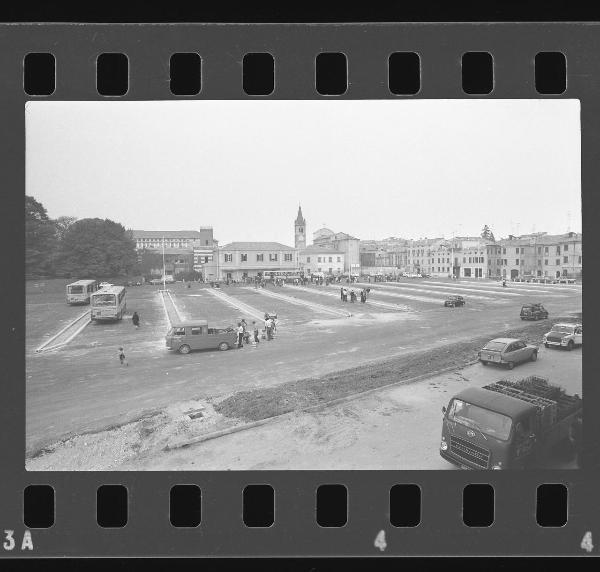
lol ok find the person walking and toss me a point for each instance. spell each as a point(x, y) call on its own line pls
point(342, 293)
point(255, 332)
point(135, 319)
point(240, 333)
point(122, 358)
point(352, 296)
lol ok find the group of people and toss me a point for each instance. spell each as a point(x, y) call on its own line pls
point(345, 293)
point(245, 335)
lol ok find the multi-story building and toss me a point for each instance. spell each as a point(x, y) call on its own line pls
point(315, 259)
point(537, 255)
point(340, 241)
point(241, 260)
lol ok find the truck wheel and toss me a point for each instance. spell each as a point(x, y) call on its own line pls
point(223, 346)
point(570, 345)
point(510, 364)
point(534, 356)
point(184, 349)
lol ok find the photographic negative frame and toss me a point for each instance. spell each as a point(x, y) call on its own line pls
point(222, 531)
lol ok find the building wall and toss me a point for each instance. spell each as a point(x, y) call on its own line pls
point(328, 262)
point(232, 264)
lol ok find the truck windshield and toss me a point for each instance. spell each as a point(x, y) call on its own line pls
point(494, 346)
point(488, 422)
point(563, 329)
point(76, 289)
point(103, 300)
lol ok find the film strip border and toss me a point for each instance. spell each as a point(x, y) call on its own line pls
point(369, 499)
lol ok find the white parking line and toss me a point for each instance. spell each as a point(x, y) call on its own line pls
point(375, 302)
point(395, 288)
point(235, 303)
point(298, 301)
point(523, 287)
point(509, 291)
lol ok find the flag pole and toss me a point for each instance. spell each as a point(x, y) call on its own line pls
point(163, 257)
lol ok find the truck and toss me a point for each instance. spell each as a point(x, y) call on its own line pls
point(509, 424)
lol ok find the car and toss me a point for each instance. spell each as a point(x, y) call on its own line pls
point(508, 352)
point(454, 301)
point(104, 285)
point(156, 281)
point(533, 312)
point(564, 335)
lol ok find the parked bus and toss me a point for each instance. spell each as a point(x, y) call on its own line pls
point(79, 292)
point(109, 303)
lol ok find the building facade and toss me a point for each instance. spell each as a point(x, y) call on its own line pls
point(340, 241)
point(248, 260)
point(317, 259)
point(300, 231)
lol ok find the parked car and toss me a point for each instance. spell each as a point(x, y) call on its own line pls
point(533, 312)
point(197, 335)
point(507, 351)
point(156, 281)
point(564, 335)
point(454, 301)
point(104, 285)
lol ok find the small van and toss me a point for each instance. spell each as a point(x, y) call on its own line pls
point(197, 335)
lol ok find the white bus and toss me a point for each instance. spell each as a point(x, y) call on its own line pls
point(79, 292)
point(109, 303)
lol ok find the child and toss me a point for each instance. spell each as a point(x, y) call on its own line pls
point(122, 357)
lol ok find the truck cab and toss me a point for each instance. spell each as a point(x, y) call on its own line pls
point(507, 425)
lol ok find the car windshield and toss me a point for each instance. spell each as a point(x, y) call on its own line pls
point(494, 346)
point(103, 300)
point(563, 329)
point(489, 422)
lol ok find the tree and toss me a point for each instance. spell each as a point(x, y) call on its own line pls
point(39, 239)
point(149, 261)
point(487, 234)
point(62, 224)
point(96, 248)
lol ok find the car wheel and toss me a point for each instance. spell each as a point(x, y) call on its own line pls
point(570, 345)
point(534, 356)
point(184, 349)
point(223, 346)
point(510, 364)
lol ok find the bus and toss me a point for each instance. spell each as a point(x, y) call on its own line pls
point(79, 292)
point(109, 303)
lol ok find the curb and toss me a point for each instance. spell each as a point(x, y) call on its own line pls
point(310, 408)
point(46, 345)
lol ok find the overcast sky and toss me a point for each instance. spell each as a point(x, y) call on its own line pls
point(373, 169)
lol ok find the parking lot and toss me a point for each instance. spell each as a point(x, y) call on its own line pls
point(82, 388)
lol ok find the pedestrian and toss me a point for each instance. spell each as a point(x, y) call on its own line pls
point(122, 358)
point(240, 333)
point(342, 293)
point(255, 332)
point(136, 319)
point(352, 296)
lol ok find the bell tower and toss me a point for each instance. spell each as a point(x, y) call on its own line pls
point(300, 231)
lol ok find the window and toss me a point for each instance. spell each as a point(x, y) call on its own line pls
point(539, 250)
point(504, 251)
point(558, 250)
point(196, 330)
point(545, 250)
point(273, 257)
point(300, 229)
point(339, 259)
point(558, 262)
point(330, 259)
point(228, 257)
point(244, 258)
point(319, 259)
point(517, 250)
point(517, 262)
point(260, 257)
point(308, 259)
point(464, 259)
point(565, 259)
point(179, 331)
point(287, 257)
point(565, 248)
point(539, 262)
point(546, 262)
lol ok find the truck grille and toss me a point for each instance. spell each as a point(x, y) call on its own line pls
point(469, 452)
point(554, 339)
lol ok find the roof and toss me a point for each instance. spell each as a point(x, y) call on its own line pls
point(504, 340)
point(112, 289)
point(166, 234)
point(183, 323)
point(511, 406)
point(81, 282)
point(314, 249)
point(299, 218)
point(256, 246)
